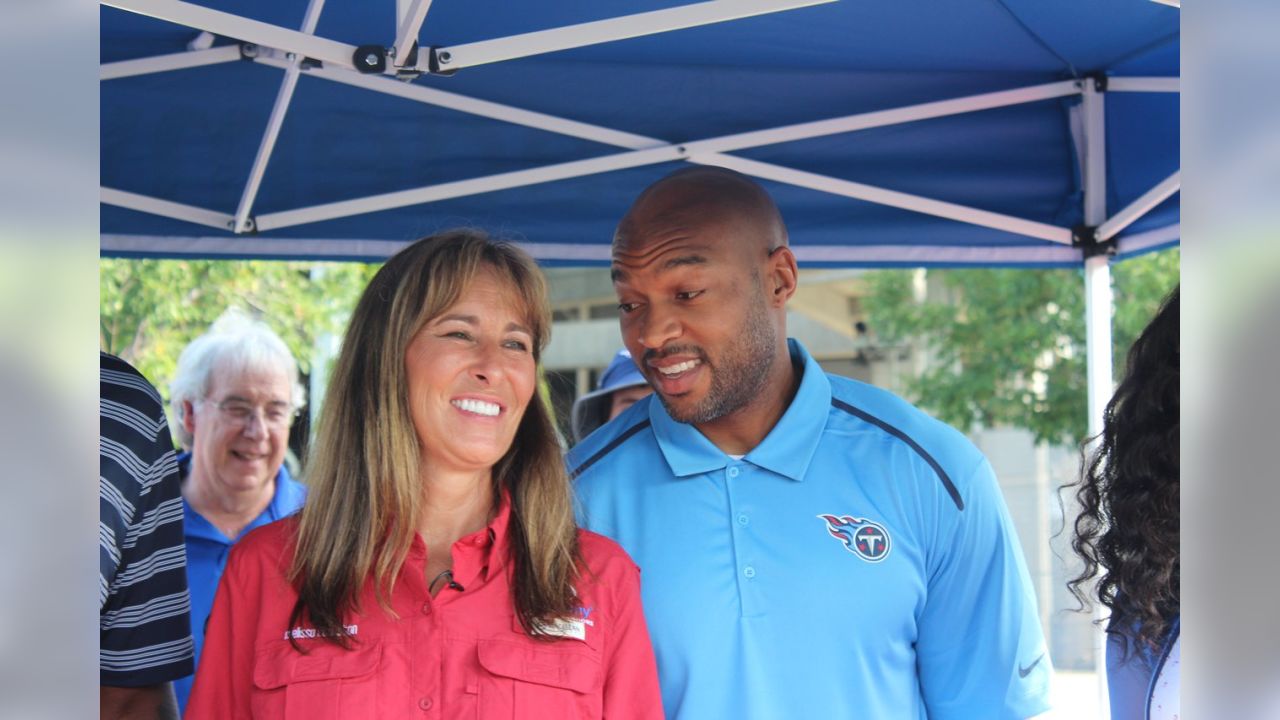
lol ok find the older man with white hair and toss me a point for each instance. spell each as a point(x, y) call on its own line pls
point(233, 398)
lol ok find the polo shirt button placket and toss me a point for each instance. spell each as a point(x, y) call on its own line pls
point(425, 703)
point(733, 472)
point(426, 608)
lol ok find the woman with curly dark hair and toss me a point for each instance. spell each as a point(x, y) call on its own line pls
point(1128, 526)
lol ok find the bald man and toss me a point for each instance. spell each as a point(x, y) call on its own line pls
point(811, 546)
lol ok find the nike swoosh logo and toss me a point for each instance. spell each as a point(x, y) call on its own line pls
point(1025, 671)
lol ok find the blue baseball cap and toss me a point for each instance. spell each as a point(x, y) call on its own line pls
point(592, 410)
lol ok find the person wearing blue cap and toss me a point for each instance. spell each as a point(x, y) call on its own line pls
point(620, 386)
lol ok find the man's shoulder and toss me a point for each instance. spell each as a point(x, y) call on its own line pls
point(610, 440)
point(290, 494)
point(121, 382)
point(858, 406)
point(869, 403)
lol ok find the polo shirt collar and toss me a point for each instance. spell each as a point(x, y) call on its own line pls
point(687, 450)
point(288, 495)
point(791, 444)
point(786, 450)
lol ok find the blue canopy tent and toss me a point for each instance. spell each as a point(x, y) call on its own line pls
point(911, 132)
point(976, 132)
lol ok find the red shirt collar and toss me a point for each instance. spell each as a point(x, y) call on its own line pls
point(485, 551)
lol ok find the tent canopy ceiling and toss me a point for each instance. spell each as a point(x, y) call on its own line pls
point(984, 164)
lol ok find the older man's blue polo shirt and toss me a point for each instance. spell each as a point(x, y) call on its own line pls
point(207, 550)
point(858, 563)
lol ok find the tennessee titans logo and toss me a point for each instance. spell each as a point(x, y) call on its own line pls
point(864, 538)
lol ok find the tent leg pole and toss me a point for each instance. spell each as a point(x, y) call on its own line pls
point(1097, 293)
point(1098, 302)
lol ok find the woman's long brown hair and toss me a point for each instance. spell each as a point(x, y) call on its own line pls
point(365, 493)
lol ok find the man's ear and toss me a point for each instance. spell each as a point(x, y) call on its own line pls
point(783, 276)
point(188, 417)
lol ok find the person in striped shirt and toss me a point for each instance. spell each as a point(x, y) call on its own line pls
point(144, 608)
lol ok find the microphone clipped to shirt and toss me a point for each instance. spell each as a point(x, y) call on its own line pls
point(453, 584)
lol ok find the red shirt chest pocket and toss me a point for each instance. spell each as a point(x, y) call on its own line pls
point(526, 678)
point(326, 682)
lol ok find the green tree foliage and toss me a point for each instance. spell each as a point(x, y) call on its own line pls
point(1006, 347)
point(151, 309)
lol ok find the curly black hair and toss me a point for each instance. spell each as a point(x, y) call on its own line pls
point(1128, 524)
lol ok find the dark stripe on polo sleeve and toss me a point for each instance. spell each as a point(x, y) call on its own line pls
point(942, 474)
point(626, 434)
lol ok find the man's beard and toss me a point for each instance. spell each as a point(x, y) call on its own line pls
point(739, 374)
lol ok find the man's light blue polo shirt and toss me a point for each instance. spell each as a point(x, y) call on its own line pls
point(858, 563)
point(207, 550)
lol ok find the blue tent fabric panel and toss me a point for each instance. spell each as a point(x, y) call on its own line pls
point(190, 136)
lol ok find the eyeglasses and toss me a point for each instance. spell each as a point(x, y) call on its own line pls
point(238, 413)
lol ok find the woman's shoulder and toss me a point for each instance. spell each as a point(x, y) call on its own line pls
point(598, 546)
point(274, 534)
point(602, 555)
point(267, 547)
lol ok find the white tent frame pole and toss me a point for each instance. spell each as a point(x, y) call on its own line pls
point(1139, 207)
point(638, 158)
point(1144, 84)
point(165, 208)
point(883, 118)
point(234, 246)
point(740, 141)
point(241, 28)
point(466, 55)
point(1143, 241)
point(1098, 301)
point(463, 188)
point(647, 151)
point(726, 143)
point(471, 106)
point(165, 63)
point(278, 112)
point(410, 25)
point(891, 198)
point(602, 31)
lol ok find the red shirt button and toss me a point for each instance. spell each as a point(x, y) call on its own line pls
point(425, 703)
point(426, 608)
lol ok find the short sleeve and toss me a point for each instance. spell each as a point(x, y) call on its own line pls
point(980, 649)
point(631, 673)
point(144, 619)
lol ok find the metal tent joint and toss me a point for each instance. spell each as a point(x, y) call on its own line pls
point(250, 226)
point(407, 71)
point(1085, 237)
point(370, 59)
point(1099, 80)
point(438, 60)
point(379, 60)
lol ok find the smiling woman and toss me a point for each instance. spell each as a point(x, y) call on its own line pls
point(437, 563)
point(471, 375)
